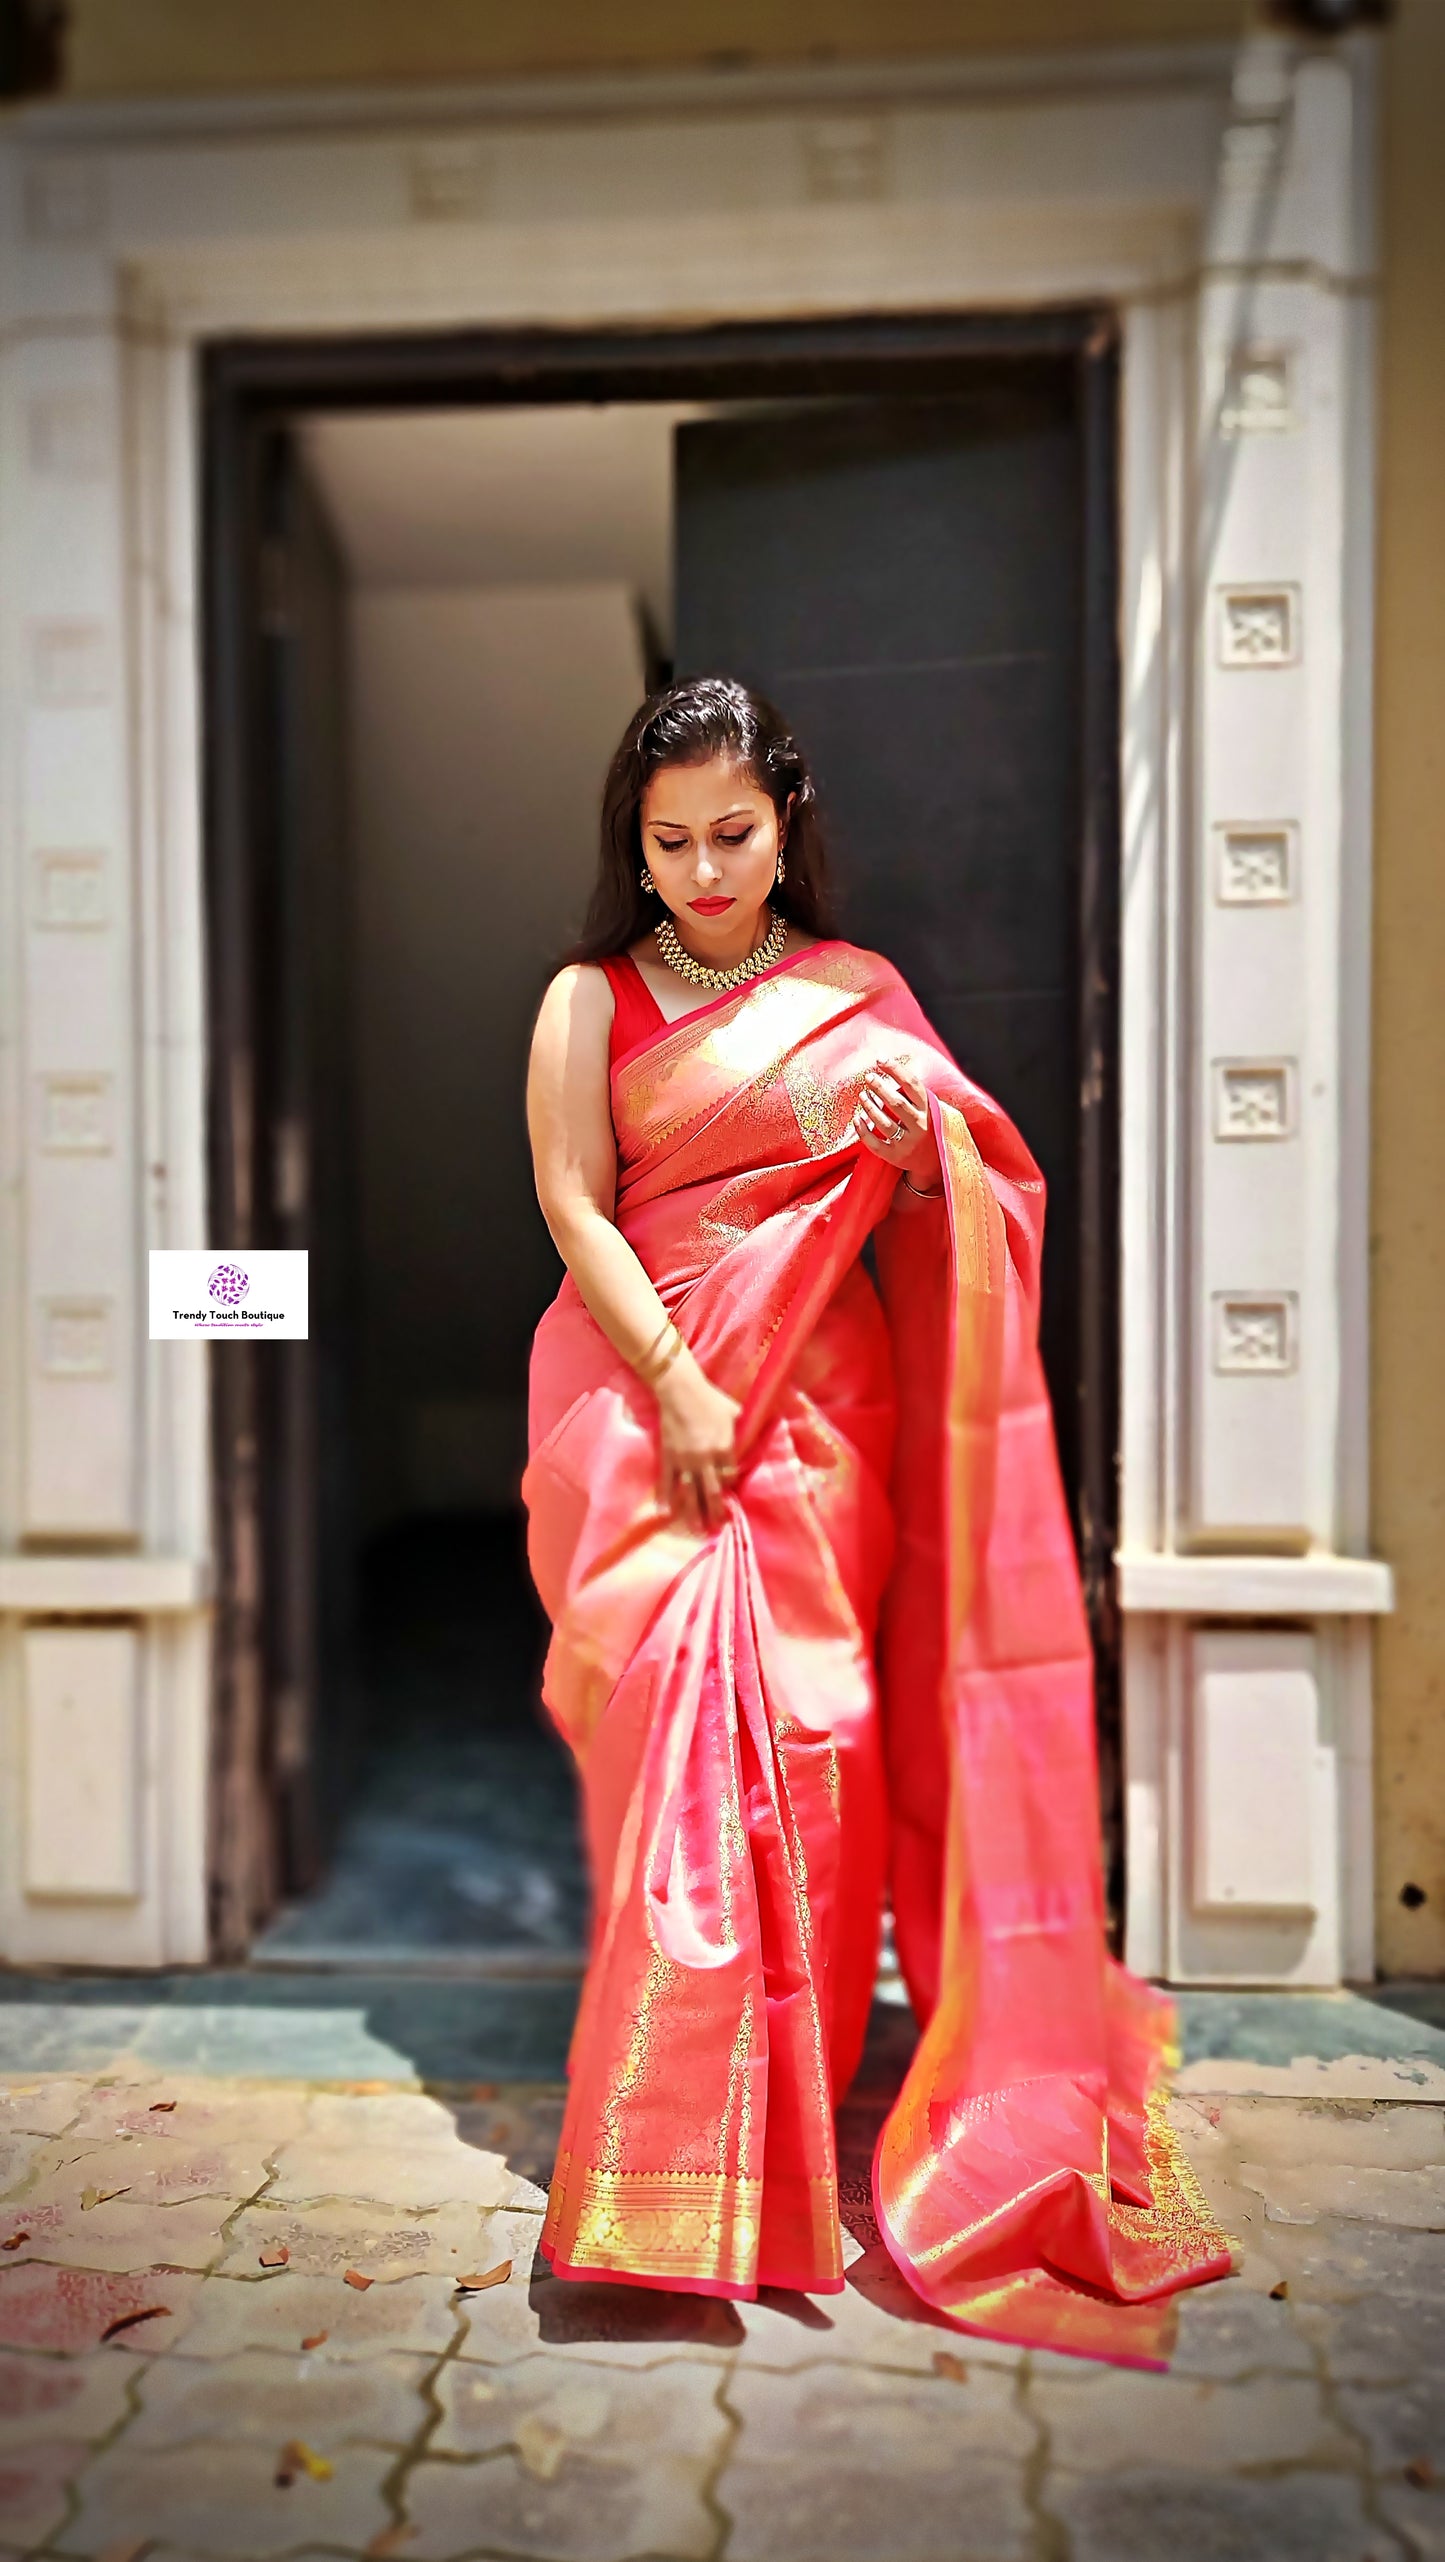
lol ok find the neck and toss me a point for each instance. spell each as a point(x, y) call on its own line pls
point(724, 951)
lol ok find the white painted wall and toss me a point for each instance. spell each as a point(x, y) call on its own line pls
point(482, 723)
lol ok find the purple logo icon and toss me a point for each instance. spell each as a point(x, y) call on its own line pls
point(229, 1282)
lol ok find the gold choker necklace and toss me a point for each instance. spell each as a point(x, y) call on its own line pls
point(698, 974)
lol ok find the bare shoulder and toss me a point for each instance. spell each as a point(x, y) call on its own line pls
point(578, 998)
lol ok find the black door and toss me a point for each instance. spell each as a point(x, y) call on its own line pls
point(282, 1175)
point(910, 579)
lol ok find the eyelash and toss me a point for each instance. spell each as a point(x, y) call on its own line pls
point(680, 846)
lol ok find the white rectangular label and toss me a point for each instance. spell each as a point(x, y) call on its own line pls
point(258, 1292)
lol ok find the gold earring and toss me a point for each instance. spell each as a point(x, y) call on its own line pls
point(648, 883)
point(777, 877)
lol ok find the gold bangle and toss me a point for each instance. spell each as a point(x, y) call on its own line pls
point(643, 1358)
point(645, 1372)
point(921, 1192)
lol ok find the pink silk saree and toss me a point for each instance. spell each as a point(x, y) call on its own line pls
point(874, 1677)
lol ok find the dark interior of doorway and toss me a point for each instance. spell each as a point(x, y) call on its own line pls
point(316, 1668)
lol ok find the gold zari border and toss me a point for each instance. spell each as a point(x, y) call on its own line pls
point(676, 2224)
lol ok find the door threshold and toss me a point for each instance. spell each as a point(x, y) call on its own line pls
point(467, 1965)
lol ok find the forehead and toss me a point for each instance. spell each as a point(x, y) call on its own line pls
point(703, 791)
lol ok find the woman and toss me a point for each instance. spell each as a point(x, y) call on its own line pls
point(817, 1624)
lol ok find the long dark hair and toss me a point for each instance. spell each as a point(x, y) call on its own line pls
point(708, 716)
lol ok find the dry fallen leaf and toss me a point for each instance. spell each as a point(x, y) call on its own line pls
point(128, 2551)
point(390, 2540)
point(101, 2196)
point(1278, 2293)
point(297, 2457)
point(1421, 2473)
point(162, 2107)
point(540, 2444)
point(354, 2278)
point(314, 2339)
point(275, 2255)
point(13, 2241)
point(950, 2367)
point(128, 2321)
point(497, 2276)
point(367, 2090)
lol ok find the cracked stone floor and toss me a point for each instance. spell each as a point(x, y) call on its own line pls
point(231, 2325)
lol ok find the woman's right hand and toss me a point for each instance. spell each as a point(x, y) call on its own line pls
point(699, 1441)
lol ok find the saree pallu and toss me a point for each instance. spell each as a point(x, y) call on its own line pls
point(874, 1677)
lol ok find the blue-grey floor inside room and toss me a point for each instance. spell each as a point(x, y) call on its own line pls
point(460, 1832)
point(356, 2025)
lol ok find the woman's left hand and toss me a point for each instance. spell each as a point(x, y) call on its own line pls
point(892, 1118)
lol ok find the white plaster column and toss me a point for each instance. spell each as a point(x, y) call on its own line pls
point(97, 1625)
point(1248, 1743)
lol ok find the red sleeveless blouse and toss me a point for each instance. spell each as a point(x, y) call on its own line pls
point(636, 1014)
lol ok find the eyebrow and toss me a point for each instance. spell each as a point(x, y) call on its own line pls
point(740, 809)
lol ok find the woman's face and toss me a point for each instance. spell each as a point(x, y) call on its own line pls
point(711, 840)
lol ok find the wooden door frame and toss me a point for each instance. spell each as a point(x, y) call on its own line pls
point(251, 387)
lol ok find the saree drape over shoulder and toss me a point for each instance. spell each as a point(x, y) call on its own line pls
point(874, 1675)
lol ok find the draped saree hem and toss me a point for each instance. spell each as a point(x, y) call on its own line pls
point(873, 1679)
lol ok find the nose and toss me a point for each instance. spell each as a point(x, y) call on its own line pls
point(705, 869)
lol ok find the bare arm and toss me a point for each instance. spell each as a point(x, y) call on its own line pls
point(574, 1156)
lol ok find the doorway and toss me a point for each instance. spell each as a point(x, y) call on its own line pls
point(904, 531)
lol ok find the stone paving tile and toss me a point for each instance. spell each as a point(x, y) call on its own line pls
point(224, 2501)
point(523, 2125)
point(1332, 2262)
point(67, 2309)
point(839, 2464)
point(40, 2107)
point(1363, 2137)
point(1377, 2339)
point(877, 2321)
point(1141, 2516)
point(379, 2241)
point(268, 2395)
point(393, 2121)
point(32, 2489)
point(1227, 2329)
point(584, 2465)
point(18, 2157)
point(123, 2233)
point(1185, 2420)
point(420, 2315)
point(1400, 2427)
point(187, 2108)
point(1414, 2200)
point(1419, 2516)
point(636, 2326)
point(393, 2174)
point(163, 2169)
point(79, 2398)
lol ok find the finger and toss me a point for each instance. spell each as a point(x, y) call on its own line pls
point(711, 1493)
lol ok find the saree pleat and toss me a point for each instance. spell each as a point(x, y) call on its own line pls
point(877, 1668)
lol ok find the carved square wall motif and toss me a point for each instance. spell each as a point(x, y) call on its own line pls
point(66, 434)
point(449, 182)
point(845, 160)
point(1253, 1098)
point(75, 1338)
point(1255, 1333)
point(70, 664)
point(1259, 626)
point(75, 1114)
point(69, 890)
point(1255, 866)
point(1257, 398)
point(64, 199)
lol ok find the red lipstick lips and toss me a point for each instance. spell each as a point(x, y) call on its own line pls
point(709, 906)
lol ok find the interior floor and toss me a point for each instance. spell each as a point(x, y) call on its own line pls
point(461, 1836)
